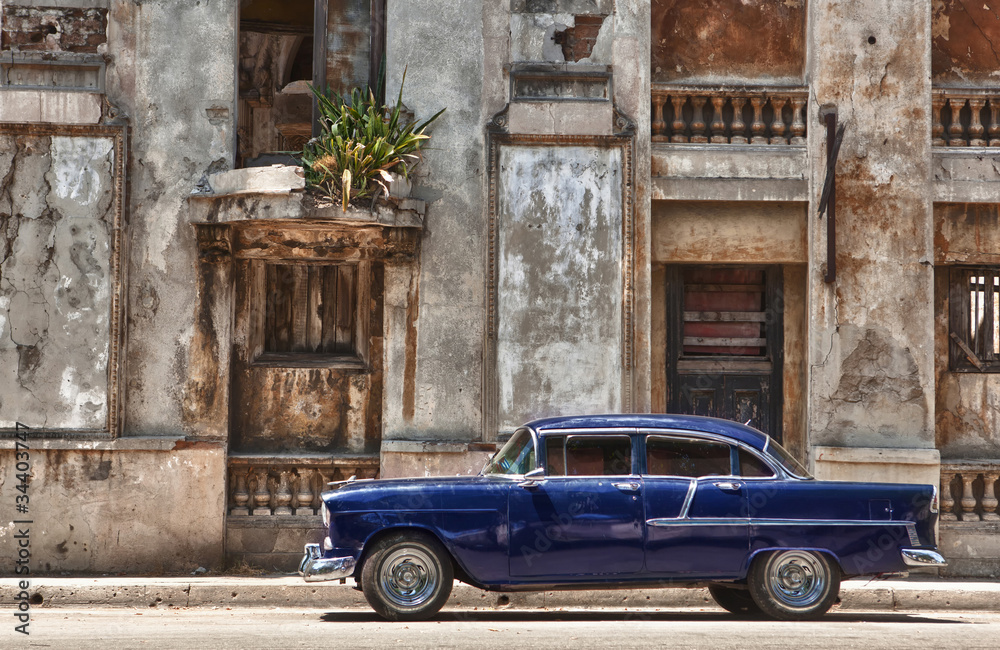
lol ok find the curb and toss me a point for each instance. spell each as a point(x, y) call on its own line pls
point(291, 591)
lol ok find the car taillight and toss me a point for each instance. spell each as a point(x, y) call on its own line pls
point(934, 500)
point(326, 515)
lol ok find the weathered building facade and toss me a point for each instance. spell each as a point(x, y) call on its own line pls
point(775, 211)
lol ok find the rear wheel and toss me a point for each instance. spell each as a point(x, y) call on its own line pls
point(407, 577)
point(735, 600)
point(794, 585)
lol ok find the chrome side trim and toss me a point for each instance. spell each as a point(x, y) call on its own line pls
point(732, 521)
point(922, 557)
point(686, 507)
point(707, 521)
point(316, 568)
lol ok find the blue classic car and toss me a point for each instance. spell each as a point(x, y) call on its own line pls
point(625, 501)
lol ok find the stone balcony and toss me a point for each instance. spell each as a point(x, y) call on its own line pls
point(742, 143)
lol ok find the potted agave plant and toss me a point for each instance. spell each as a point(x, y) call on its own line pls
point(364, 146)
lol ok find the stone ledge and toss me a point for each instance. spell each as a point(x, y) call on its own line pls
point(171, 443)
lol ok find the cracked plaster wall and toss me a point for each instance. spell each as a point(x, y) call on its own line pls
point(871, 357)
point(56, 224)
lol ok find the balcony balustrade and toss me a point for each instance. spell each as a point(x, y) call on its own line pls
point(262, 487)
point(969, 491)
point(739, 115)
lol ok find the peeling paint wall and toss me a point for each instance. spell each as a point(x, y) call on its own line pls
point(56, 240)
point(559, 288)
point(871, 331)
point(965, 35)
point(702, 40)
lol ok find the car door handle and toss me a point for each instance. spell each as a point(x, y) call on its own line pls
point(627, 486)
point(728, 486)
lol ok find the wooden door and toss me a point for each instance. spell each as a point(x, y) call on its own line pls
point(724, 343)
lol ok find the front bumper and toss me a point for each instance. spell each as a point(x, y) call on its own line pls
point(316, 568)
point(922, 557)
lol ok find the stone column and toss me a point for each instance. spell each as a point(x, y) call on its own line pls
point(871, 330)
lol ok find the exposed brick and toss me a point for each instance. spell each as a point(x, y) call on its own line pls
point(53, 29)
point(578, 41)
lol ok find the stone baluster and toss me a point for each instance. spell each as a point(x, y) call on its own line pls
point(798, 124)
point(678, 127)
point(659, 125)
point(698, 119)
point(968, 498)
point(757, 126)
point(283, 494)
point(976, 129)
point(739, 127)
point(261, 494)
point(990, 502)
point(956, 135)
point(947, 500)
point(994, 127)
point(778, 123)
point(937, 126)
point(241, 496)
point(305, 493)
point(718, 124)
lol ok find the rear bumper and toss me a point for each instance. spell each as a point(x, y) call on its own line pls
point(316, 568)
point(922, 557)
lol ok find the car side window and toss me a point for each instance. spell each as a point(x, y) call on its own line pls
point(555, 455)
point(753, 467)
point(594, 456)
point(667, 456)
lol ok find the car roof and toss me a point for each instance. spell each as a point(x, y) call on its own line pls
point(697, 423)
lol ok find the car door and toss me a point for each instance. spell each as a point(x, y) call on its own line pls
point(584, 518)
point(696, 509)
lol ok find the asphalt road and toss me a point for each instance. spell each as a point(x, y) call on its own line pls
point(243, 628)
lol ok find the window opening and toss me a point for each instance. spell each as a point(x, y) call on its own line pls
point(975, 319)
point(310, 309)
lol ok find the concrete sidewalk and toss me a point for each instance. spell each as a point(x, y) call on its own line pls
point(290, 591)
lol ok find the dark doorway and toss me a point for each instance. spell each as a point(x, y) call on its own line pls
point(724, 343)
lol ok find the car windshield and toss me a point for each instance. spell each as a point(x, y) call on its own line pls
point(787, 461)
point(515, 457)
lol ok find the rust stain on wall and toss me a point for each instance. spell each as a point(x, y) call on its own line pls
point(410, 360)
point(965, 37)
point(732, 38)
point(967, 233)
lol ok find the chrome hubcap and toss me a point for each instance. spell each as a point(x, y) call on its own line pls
point(408, 576)
point(797, 579)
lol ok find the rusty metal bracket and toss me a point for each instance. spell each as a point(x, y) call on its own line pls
point(828, 199)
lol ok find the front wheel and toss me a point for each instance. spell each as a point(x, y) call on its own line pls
point(794, 585)
point(407, 577)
